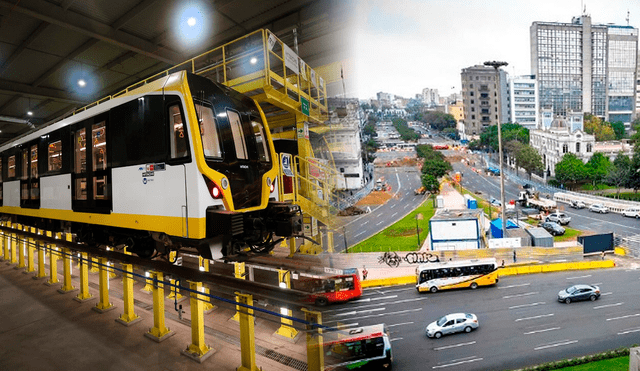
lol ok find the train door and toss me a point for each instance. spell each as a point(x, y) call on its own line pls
point(91, 177)
point(29, 177)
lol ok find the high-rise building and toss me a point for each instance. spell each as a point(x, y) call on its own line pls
point(484, 92)
point(523, 101)
point(430, 97)
point(583, 67)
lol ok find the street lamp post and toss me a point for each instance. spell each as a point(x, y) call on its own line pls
point(496, 66)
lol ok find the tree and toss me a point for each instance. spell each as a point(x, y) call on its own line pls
point(596, 126)
point(570, 170)
point(489, 137)
point(619, 172)
point(634, 177)
point(431, 183)
point(618, 129)
point(529, 159)
point(438, 120)
point(436, 168)
point(406, 133)
point(598, 167)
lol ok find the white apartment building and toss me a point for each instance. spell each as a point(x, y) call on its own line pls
point(523, 101)
point(430, 97)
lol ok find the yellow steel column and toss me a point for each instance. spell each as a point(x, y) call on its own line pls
point(159, 332)
point(128, 318)
point(174, 292)
point(247, 334)
point(292, 247)
point(10, 240)
point(66, 268)
point(330, 248)
point(238, 272)
point(53, 263)
point(3, 247)
point(84, 294)
point(204, 266)
point(40, 246)
point(94, 265)
point(197, 350)
point(30, 244)
point(20, 246)
point(148, 288)
point(286, 330)
point(103, 277)
point(315, 355)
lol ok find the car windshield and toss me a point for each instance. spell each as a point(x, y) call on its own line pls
point(571, 289)
point(442, 321)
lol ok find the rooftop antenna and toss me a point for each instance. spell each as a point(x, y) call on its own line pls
point(627, 17)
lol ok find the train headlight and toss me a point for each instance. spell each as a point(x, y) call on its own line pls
point(214, 189)
point(224, 183)
point(271, 185)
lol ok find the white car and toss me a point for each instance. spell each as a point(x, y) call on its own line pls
point(598, 208)
point(633, 212)
point(452, 323)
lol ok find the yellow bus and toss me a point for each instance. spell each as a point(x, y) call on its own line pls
point(456, 274)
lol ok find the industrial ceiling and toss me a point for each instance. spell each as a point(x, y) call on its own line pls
point(48, 46)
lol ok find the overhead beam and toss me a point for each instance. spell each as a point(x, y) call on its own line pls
point(54, 14)
point(25, 44)
point(10, 88)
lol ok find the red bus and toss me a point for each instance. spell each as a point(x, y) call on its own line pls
point(327, 289)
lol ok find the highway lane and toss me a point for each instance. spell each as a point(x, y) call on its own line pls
point(403, 182)
point(521, 322)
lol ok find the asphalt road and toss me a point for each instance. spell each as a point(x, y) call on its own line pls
point(521, 322)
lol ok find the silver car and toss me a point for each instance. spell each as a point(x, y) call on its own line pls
point(598, 208)
point(579, 292)
point(452, 323)
point(634, 213)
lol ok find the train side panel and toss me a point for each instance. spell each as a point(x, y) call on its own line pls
point(56, 192)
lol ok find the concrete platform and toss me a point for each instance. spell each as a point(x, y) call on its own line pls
point(41, 329)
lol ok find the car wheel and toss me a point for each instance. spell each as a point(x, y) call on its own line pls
point(592, 298)
point(468, 329)
point(322, 301)
point(637, 216)
point(473, 286)
point(546, 220)
point(433, 289)
point(437, 335)
point(567, 300)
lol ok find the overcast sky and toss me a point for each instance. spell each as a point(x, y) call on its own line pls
point(403, 46)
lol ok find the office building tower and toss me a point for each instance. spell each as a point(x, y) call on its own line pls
point(523, 101)
point(484, 95)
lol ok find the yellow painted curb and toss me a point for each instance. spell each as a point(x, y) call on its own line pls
point(620, 251)
point(405, 280)
point(555, 267)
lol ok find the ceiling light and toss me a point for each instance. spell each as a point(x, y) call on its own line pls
point(191, 21)
point(29, 113)
point(82, 83)
point(254, 60)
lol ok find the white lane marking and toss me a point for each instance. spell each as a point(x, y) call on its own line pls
point(394, 339)
point(520, 295)
point(562, 342)
point(458, 363)
point(354, 312)
point(377, 290)
point(391, 313)
point(623, 317)
point(348, 325)
point(608, 305)
point(401, 324)
point(534, 317)
point(365, 222)
point(392, 206)
point(596, 284)
point(510, 286)
point(575, 278)
point(545, 330)
point(454, 345)
point(405, 206)
point(629, 331)
point(367, 300)
point(394, 214)
point(606, 293)
point(359, 234)
point(380, 222)
point(527, 305)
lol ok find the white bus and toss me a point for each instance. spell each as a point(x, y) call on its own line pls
point(456, 274)
point(360, 348)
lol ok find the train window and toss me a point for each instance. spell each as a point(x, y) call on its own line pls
point(0, 173)
point(34, 161)
point(55, 156)
point(261, 141)
point(208, 132)
point(80, 165)
point(11, 167)
point(25, 165)
point(178, 137)
point(98, 140)
point(238, 135)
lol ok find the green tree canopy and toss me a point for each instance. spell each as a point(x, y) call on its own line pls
point(406, 133)
point(598, 167)
point(439, 120)
point(570, 170)
point(489, 137)
point(618, 129)
point(529, 159)
point(619, 172)
point(436, 168)
point(431, 183)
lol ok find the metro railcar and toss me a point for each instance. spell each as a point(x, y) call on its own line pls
point(180, 162)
